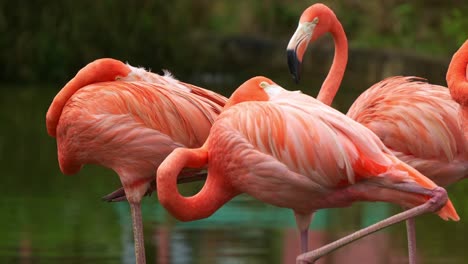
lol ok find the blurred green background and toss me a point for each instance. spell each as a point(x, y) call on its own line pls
point(51, 218)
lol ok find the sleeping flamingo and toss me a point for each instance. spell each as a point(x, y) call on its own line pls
point(416, 120)
point(290, 150)
point(128, 120)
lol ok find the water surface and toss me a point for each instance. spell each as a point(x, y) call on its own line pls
point(48, 217)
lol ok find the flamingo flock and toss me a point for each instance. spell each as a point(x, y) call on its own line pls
point(400, 141)
point(419, 122)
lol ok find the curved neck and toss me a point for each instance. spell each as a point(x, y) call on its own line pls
point(457, 83)
point(97, 71)
point(335, 76)
point(457, 74)
point(215, 193)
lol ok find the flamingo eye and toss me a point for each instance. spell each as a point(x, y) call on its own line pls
point(264, 84)
point(316, 20)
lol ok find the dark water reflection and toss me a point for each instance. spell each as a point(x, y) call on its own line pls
point(47, 217)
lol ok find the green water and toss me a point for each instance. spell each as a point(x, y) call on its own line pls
point(47, 217)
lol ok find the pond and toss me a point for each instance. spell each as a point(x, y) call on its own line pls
point(48, 217)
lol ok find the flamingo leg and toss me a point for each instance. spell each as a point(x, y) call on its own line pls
point(411, 234)
point(138, 232)
point(438, 200)
point(303, 221)
point(304, 241)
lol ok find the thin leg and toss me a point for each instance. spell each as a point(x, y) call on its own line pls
point(304, 240)
point(438, 200)
point(411, 234)
point(303, 222)
point(138, 233)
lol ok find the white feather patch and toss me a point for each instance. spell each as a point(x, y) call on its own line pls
point(169, 77)
point(273, 90)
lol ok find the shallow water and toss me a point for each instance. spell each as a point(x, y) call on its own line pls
point(51, 218)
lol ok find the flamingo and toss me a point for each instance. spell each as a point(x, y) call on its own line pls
point(127, 119)
point(290, 150)
point(416, 120)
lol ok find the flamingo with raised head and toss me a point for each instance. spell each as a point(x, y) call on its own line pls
point(127, 119)
point(290, 150)
point(416, 120)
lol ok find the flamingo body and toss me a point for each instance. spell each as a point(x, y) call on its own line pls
point(293, 151)
point(129, 124)
point(130, 127)
point(127, 119)
point(419, 122)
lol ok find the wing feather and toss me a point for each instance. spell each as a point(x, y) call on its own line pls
point(183, 116)
point(412, 117)
point(168, 80)
point(308, 137)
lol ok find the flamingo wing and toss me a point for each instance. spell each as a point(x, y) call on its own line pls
point(168, 80)
point(308, 137)
point(412, 117)
point(130, 125)
point(175, 113)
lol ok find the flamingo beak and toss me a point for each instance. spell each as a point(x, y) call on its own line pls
point(297, 47)
point(294, 65)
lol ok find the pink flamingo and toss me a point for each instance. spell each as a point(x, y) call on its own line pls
point(416, 120)
point(290, 150)
point(105, 116)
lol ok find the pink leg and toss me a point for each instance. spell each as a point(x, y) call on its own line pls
point(438, 200)
point(303, 222)
point(411, 234)
point(304, 240)
point(138, 233)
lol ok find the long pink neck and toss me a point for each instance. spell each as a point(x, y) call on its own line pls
point(215, 193)
point(97, 71)
point(332, 83)
point(457, 82)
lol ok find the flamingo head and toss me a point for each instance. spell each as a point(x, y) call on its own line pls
point(315, 21)
point(258, 88)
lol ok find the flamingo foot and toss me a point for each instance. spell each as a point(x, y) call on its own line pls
point(438, 199)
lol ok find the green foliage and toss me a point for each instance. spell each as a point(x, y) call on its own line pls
point(50, 40)
point(415, 26)
point(455, 26)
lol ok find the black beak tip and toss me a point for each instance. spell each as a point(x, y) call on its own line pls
point(296, 78)
point(294, 65)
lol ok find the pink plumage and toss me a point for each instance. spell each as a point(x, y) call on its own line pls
point(419, 122)
point(127, 119)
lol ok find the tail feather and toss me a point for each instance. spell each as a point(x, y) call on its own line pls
point(447, 212)
point(97, 71)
